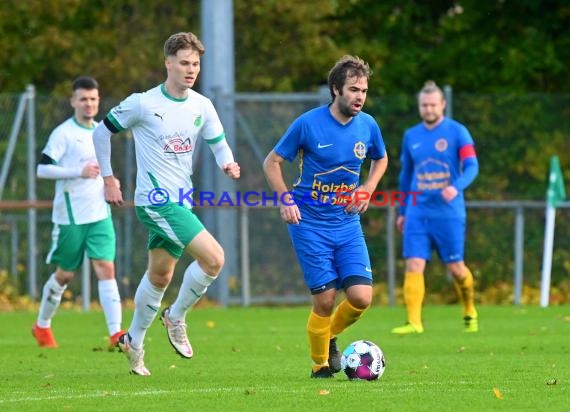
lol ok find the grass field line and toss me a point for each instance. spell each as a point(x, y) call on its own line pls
point(103, 394)
point(99, 394)
point(65, 395)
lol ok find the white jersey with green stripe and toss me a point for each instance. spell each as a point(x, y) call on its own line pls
point(166, 130)
point(77, 200)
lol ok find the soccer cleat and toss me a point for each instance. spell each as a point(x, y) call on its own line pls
point(323, 373)
point(176, 332)
point(114, 340)
point(44, 337)
point(471, 324)
point(407, 329)
point(334, 356)
point(135, 357)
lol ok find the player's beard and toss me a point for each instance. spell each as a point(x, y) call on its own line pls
point(345, 109)
point(432, 120)
point(88, 118)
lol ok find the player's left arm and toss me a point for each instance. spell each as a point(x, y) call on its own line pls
point(469, 171)
point(225, 158)
point(213, 134)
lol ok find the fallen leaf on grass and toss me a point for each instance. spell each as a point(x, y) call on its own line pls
point(497, 393)
point(324, 392)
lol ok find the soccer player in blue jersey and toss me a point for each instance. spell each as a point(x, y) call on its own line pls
point(323, 208)
point(438, 160)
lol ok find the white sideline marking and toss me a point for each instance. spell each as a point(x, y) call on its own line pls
point(104, 394)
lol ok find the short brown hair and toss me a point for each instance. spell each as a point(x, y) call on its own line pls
point(182, 41)
point(346, 67)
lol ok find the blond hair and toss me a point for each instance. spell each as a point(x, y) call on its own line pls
point(431, 87)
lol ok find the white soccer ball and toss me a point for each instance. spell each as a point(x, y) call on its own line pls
point(363, 360)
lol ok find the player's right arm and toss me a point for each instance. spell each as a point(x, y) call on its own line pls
point(102, 143)
point(49, 169)
point(55, 149)
point(289, 211)
point(119, 118)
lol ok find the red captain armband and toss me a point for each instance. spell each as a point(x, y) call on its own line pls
point(467, 151)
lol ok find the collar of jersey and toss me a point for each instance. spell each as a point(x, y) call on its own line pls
point(82, 125)
point(165, 94)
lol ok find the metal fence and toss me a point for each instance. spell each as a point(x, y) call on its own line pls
point(504, 238)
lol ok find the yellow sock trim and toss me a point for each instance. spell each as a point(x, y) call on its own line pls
point(414, 292)
point(466, 291)
point(344, 316)
point(319, 331)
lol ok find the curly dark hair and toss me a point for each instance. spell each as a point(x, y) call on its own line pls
point(346, 67)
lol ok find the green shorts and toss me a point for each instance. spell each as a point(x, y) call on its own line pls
point(171, 226)
point(71, 242)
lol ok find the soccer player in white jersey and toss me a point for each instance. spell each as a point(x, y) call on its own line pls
point(166, 122)
point(81, 217)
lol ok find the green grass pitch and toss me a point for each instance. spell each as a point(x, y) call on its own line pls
point(256, 359)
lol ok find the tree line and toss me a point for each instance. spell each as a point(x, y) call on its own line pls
point(506, 61)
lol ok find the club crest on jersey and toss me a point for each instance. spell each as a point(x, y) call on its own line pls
point(198, 120)
point(178, 146)
point(441, 144)
point(359, 150)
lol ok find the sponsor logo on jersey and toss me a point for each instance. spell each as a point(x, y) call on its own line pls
point(178, 146)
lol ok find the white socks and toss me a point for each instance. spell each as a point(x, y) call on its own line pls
point(108, 297)
point(51, 297)
point(148, 298)
point(147, 305)
point(194, 284)
point(111, 304)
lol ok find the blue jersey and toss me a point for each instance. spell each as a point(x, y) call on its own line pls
point(431, 160)
point(330, 158)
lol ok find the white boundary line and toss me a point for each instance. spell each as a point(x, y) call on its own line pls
point(103, 394)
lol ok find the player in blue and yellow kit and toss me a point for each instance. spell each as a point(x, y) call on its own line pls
point(323, 209)
point(438, 160)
